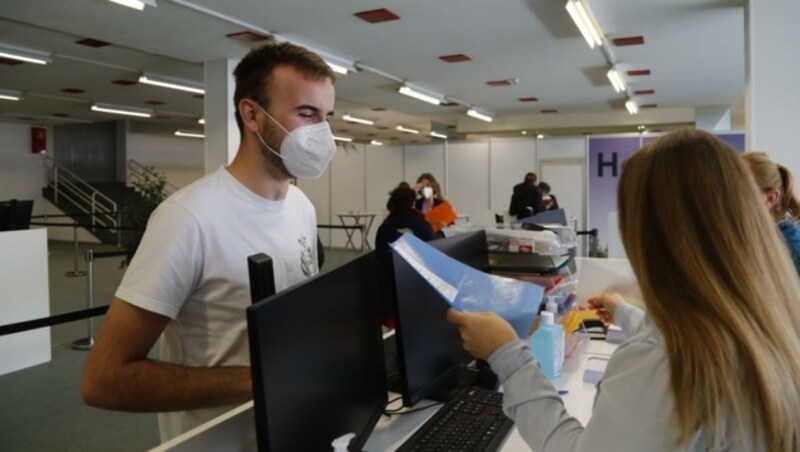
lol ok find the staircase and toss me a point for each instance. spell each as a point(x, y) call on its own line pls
point(88, 204)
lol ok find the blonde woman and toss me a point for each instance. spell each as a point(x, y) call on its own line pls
point(714, 363)
point(776, 184)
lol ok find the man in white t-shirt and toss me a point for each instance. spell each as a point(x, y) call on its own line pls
point(188, 279)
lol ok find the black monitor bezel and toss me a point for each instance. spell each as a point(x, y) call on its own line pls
point(259, 407)
point(468, 248)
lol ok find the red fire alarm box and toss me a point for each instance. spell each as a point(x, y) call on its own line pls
point(38, 140)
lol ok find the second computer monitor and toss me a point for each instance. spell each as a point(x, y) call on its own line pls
point(430, 353)
point(317, 360)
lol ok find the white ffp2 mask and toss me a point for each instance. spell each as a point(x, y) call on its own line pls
point(306, 150)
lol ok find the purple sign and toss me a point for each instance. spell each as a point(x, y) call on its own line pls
point(606, 155)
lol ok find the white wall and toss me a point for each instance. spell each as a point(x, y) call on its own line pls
point(22, 173)
point(476, 176)
point(180, 159)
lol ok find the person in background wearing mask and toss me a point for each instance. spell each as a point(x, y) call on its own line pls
point(777, 185)
point(438, 211)
point(549, 201)
point(429, 191)
point(188, 281)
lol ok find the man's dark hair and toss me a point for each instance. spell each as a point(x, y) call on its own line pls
point(530, 178)
point(253, 73)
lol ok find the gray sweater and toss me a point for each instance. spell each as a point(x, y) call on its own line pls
point(633, 408)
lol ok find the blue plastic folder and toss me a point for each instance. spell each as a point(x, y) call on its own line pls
point(470, 290)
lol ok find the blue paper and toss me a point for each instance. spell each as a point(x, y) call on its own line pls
point(471, 290)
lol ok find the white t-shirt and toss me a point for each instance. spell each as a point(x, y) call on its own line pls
point(191, 266)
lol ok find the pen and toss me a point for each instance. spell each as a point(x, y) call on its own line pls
point(563, 391)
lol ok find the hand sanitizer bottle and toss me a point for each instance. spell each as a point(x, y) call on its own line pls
point(552, 306)
point(547, 345)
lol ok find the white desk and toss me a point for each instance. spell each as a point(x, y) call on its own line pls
point(391, 433)
point(363, 219)
point(234, 431)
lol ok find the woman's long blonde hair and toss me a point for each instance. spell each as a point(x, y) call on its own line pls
point(774, 176)
point(718, 286)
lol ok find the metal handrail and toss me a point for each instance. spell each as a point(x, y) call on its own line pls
point(138, 171)
point(86, 198)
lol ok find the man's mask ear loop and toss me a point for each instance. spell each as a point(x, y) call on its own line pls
point(261, 139)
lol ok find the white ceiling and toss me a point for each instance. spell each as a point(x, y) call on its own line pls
point(693, 48)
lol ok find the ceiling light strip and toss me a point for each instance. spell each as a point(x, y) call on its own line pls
point(345, 139)
point(616, 80)
point(135, 4)
point(407, 130)
point(28, 56)
point(376, 143)
point(584, 20)
point(478, 115)
point(7, 94)
point(120, 110)
point(632, 107)
point(164, 82)
point(411, 92)
point(438, 135)
point(181, 133)
point(349, 118)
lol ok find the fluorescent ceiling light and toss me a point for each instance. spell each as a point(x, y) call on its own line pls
point(403, 129)
point(616, 80)
point(345, 139)
point(337, 68)
point(135, 4)
point(181, 133)
point(165, 82)
point(376, 143)
point(7, 94)
point(120, 110)
point(201, 121)
point(583, 18)
point(438, 135)
point(478, 115)
point(418, 95)
point(632, 107)
point(28, 56)
point(524, 132)
point(539, 136)
point(347, 117)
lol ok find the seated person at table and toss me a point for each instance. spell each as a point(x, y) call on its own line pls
point(776, 184)
point(713, 362)
point(403, 217)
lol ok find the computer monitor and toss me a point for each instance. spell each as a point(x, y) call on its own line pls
point(430, 354)
point(262, 277)
point(15, 214)
point(317, 360)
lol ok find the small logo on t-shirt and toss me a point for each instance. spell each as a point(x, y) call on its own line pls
point(307, 263)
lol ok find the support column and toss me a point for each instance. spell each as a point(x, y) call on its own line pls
point(713, 119)
point(772, 94)
point(222, 134)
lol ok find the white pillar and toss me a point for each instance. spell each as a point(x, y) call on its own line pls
point(772, 93)
point(222, 135)
point(713, 119)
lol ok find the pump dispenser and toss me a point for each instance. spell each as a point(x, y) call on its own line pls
point(547, 345)
point(552, 306)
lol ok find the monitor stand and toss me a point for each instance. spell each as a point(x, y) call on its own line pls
point(480, 374)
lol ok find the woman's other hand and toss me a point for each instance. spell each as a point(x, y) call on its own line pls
point(605, 304)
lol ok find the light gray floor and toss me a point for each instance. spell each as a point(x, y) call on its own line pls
point(40, 407)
